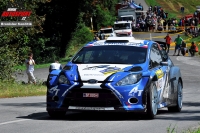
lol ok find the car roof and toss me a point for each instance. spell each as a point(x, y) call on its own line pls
point(127, 16)
point(128, 41)
point(106, 28)
point(121, 38)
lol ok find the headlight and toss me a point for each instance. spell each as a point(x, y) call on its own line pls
point(63, 79)
point(130, 79)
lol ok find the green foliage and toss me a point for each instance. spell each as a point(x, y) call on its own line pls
point(52, 34)
point(80, 36)
point(104, 17)
point(8, 59)
point(16, 42)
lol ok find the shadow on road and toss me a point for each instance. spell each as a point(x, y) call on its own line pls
point(194, 104)
point(39, 104)
point(185, 115)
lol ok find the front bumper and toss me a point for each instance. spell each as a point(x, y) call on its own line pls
point(107, 101)
point(95, 109)
point(110, 97)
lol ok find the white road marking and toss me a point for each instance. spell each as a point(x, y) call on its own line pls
point(10, 122)
point(21, 120)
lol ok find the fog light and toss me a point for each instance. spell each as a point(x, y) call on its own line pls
point(133, 100)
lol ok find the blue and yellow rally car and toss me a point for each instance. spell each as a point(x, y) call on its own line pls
point(117, 74)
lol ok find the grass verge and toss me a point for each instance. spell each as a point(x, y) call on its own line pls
point(189, 130)
point(9, 90)
point(172, 7)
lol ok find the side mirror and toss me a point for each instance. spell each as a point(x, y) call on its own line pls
point(164, 63)
point(164, 55)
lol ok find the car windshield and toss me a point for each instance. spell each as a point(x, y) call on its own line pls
point(126, 18)
point(112, 54)
point(121, 26)
point(106, 31)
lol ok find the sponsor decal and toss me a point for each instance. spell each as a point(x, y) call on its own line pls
point(107, 71)
point(91, 108)
point(93, 74)
point(54, 89)
point(160, 83)
point(116, 43)
point(96, 67)
point(159, 74)
point(135, 91)
point(111, 70)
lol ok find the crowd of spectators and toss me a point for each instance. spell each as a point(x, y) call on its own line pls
point(156, 19)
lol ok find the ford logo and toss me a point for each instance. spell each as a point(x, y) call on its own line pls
point(92, 81)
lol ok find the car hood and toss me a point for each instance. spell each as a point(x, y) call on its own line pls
point(99, 71)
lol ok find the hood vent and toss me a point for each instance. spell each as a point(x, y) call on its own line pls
point(136, 69)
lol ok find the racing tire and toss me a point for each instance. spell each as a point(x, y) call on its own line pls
point(56, 114)
point(152, 101)
point(179, 103)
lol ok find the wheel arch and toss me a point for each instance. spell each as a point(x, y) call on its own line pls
point(181, 81)
point(146, 88)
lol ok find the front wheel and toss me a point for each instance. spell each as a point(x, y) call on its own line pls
point(179, 103)
point(152, 101)
point(56, 114)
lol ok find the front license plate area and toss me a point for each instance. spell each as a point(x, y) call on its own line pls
point(90, 108)
point(93, 95)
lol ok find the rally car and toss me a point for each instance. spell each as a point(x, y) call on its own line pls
point(106, 32)
point(117, 74)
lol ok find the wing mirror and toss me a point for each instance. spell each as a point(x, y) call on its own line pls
point(164, 63)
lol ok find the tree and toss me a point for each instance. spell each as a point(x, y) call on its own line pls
point(16, 42)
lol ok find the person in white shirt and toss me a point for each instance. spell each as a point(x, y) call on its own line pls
point(30, 68)
point(55, 66)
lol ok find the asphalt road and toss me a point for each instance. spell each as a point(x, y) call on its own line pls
point(28, 114)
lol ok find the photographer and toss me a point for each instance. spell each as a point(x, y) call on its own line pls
point(30, 68)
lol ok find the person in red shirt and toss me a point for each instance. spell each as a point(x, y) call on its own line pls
point(168, 41)
point(193, 49)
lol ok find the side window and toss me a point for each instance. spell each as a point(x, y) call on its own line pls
point(155, 56)
point(163, 52)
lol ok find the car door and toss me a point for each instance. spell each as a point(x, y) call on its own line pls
point(169, 92)
point(160, 71)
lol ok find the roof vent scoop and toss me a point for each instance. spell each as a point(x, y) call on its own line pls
point(136, 69)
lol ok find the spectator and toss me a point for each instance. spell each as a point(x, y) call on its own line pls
point(102, 35)
point(193, 49)
point(178, 42)
point(168, 41)
point(55, 66)
point(183, 48)
point(30, 68)
point(96, 38)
